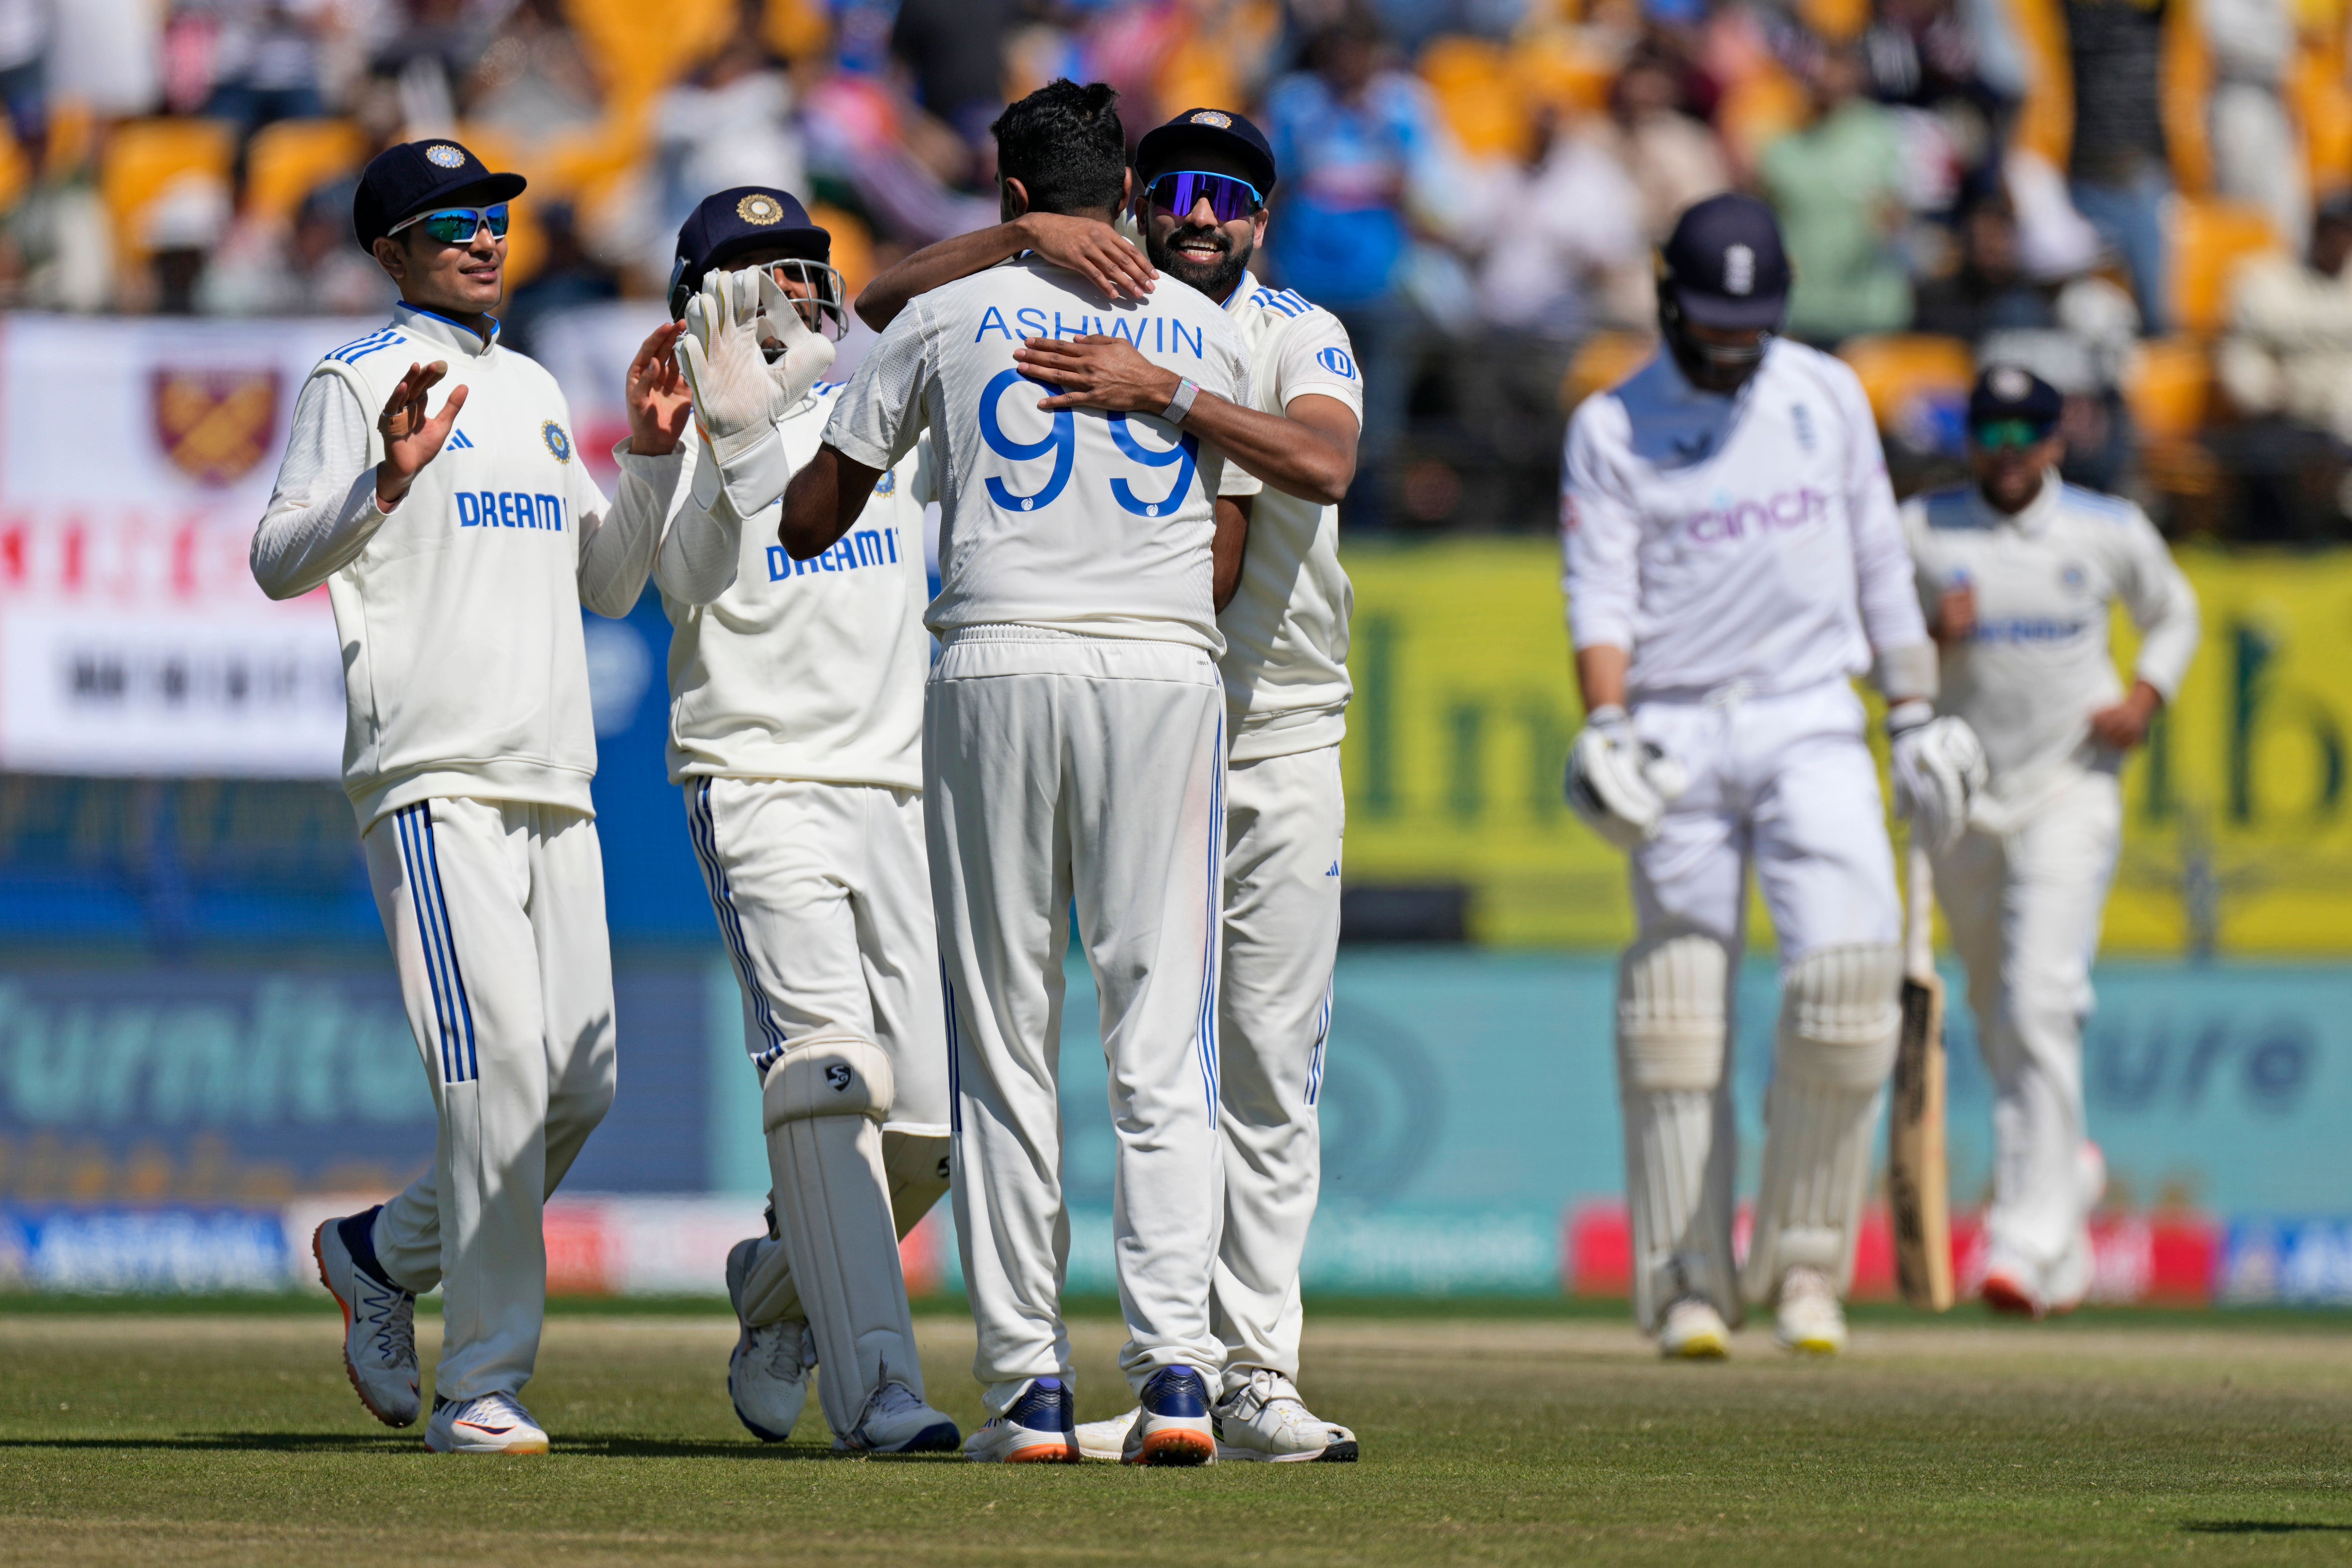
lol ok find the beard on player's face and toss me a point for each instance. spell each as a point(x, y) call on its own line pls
point(1205, 256)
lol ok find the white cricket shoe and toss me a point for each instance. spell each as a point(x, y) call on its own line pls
point(379, 1325)
point(895, 1422)
point(767, 1374)
point(1106, 1439)
point(1811, 1321)
point(487, 1424)
point(1694, 1331)
point(1173, 1425)
point(1039, 1428)
point(1265, 1421)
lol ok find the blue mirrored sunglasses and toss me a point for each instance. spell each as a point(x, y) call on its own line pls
point(456, 226)
point(1179, 192)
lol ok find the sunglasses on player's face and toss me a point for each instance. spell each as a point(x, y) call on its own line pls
point(456, 226)
point(1178, 193)
point(1995, 435)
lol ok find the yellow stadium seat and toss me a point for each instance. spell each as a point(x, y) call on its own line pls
point(2167, 386)
point(1602, 360)
point(853, 246)
point(1756, 112)
point(288, 160)
point(640, 49)
point(797, 29)
point(2322, 107)
point(1557, 68)
point(1894, 368)
point(2209, 238)
point(1478, 95)
point(142, 156)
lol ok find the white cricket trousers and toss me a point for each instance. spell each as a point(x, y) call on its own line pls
point(1069, 771)
point(1285, 819)
point(496, 912)
point(2024, 910)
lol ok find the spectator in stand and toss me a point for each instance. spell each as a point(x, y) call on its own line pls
point(534, 80)
point(1990, 291)
point(2119, 166)
point(1549, 232)
point(728, 124)
point(308, 269)
point(1353, 139)
point(1673, 159)
point(1838, 184)
point(2287, 368)
point(954, 50)
point(2257, 156)
point(265, 63)
point(24, 46)
point(567, 278)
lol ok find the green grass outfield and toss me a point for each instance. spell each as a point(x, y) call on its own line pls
point(1500, 1433)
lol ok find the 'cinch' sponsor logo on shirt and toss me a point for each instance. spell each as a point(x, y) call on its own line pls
point(509, 508)
point(866, 547)
point(1742, 520)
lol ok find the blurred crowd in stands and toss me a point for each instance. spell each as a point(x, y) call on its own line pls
point(2149, 202)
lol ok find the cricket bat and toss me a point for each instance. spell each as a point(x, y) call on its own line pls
point(1917, 1182)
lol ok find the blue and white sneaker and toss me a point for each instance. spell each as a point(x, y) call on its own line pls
point(379, 1318)
point(895, 1422)
point(767, 1375)
point(487, 1424)
point(1173, 1425)
point(1040, 1429)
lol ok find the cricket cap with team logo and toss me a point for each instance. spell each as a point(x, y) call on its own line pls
point(1725, 265)
point(411, 177)
point(1225, 131)
point(728, 224)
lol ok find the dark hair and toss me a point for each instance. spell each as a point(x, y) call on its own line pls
point(1065, 145)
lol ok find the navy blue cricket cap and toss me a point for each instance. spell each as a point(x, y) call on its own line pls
point(732, 221)
point(1725, 265)
point(1225, 131)
point(410, 177)
point(2006, 392)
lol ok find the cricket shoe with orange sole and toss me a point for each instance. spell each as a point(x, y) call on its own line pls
point(379, 1318)
point(1172, 1424)
point(487, 1424)
point(1039, 1428)
point(2016, 1285)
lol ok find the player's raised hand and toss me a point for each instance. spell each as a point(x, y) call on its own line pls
point(1096, 372)
point(659, 403)
point(803, 354)
point(410, 440)
point(1092, 249)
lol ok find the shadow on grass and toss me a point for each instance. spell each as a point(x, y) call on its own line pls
point(619, 1446)
point(2259, 1527)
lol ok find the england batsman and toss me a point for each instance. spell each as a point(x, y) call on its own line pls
point(796, 691)
point(1733, 560)
point(1205, 179)
point(1074, 755)
point(459, 544)
point(2017, 573)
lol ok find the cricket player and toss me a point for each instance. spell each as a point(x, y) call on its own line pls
point(796, 733)
point(1205, 176)
point(2018, 572)
point(458, 546)
point(1074, 753)
point(1733, 559)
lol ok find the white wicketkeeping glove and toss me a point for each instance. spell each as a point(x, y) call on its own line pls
point(739, 396)
point(1939, 770)
point(1617, 782)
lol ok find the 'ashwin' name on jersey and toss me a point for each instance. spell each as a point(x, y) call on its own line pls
point(1155, 334)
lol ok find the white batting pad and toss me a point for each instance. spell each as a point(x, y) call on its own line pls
point(917, 1167)
point(1839, 1018)
point(1672, 1023)
point(824, 1100)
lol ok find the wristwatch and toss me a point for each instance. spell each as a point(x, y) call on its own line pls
point(1180, 404)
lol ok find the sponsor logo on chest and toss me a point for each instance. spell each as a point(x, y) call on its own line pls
point(1738, 522)
point(865, 547)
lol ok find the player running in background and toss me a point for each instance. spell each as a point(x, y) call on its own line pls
point(796, 693)
point(1733, 559)
point(2018, 572)
point(1074, 751)
point(458, 545)
point(1206, 178)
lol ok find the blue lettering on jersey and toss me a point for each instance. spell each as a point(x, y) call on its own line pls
point(2028, 629)
point(1336, 363)
point(1178, 329)
point(510, 509)
point(1031, 328)
point(994, 319)
point(865, 547)
point(1120, 325)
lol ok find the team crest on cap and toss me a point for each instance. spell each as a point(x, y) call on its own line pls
point(557, 441)
point(444, 155)
point(760, 208)
point(1212, 117)
point(2009, 383)
point(1738, 271)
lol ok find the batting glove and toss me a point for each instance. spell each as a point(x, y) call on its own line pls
point(1939, 770)
point(738, 396)
point(1617, 782)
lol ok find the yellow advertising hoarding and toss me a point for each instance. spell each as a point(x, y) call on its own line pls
point(2238, 839)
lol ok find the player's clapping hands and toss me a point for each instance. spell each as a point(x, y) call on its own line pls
point(1096, 372)
point(410, 440)
point(659, 403)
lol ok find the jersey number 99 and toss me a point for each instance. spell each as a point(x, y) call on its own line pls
point(1062, 441)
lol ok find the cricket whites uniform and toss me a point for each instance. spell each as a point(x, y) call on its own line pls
point(1746, 550)
point(2024, 890)
point(467, 756)
point(796, 707)
point(1287, 688)
point(1074, 751)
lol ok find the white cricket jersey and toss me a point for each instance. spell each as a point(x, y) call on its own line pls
point(464, 669)
point(799, 670)
point(1079, 521)
point(1285, 663)
point(1750, 539)
point(2038, 664)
